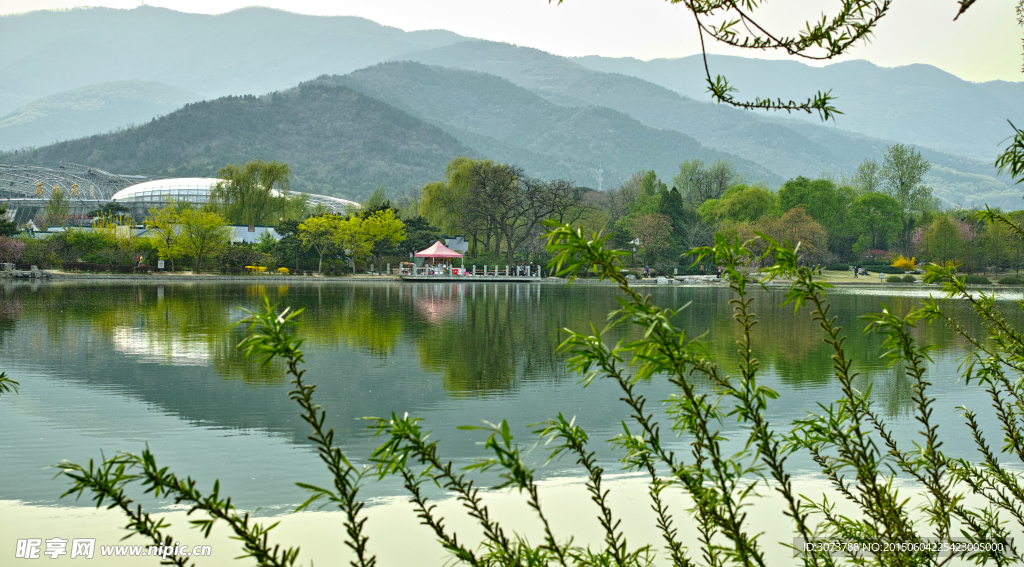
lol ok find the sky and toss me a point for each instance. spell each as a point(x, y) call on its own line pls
point(983, 45)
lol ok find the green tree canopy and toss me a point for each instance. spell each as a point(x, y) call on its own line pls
point(252, 194)
point(876, 217)
point(321, 234)
point(384, 231)
point(202, 234)
point(868, 178)
point(903, 171)
point(419, 234)
point(742, 202)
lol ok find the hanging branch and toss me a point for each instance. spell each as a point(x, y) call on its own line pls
point(820, 40)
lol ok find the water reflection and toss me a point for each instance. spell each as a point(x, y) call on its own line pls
point(159, 363)
point(478, 338)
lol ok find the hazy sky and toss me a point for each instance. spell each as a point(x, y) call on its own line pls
point(985, 44)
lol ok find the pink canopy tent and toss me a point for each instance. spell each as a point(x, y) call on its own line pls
point(438, 250)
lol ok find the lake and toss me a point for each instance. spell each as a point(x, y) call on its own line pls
point(107, 367)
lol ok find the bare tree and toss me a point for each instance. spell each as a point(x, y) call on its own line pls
point(619, 199)
point(698, 182)
point(504, 201)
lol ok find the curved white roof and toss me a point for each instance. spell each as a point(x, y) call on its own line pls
point(197, 190)
point(192, 189)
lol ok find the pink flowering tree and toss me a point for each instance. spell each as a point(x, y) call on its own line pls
point(10, 250)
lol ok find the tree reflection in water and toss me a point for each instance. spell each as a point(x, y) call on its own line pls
point(480, 338)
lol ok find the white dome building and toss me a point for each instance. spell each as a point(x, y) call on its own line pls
point(190, 189)
point(197, 190)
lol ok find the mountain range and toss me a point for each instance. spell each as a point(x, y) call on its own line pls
point(592, 119)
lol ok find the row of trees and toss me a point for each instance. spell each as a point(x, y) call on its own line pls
point(837, 218)
point(882, 210)
point(358, 236)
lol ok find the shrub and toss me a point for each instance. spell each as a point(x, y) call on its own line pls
point(909, 279)
point(894, 279)
point(1010, 280)
point(84, 242)
point(883, 269)
point(976, 280)
point(843, 267)
point(904, 263)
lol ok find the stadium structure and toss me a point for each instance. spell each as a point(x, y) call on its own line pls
point(25, 190)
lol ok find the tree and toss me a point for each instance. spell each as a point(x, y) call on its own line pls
point(321, 234)
point(7, 226)
point(419, 234)
point(822, 199)
point(383, 231)
point(741, 203)
point(942, 240)
point(289, 247)
point(620, 199)
point(868, 178)
point(511, 205)
point(994, 245)
point(379, 198)
point(10, 250)
point(446, 205)
point(203, 234)
point(649, 183)
point(903, 170)
point(252, 194)
point(671, 205)
point(876, 217)
point(653, 233)
point(163, 226)
point(351, 237)
point(698, 183)
point(57, 208)
point(797, 227)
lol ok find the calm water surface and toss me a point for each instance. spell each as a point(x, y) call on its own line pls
point(109, 367)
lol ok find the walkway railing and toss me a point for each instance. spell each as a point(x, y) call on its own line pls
point(525, 271)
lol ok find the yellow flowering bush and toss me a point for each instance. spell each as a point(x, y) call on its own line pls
point(904, 263)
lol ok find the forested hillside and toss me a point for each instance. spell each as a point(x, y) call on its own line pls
point(337, 142)
point(509, 123)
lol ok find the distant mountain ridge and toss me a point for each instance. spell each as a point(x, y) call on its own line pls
point(247, 51)
point(89, 110)
point(587, 118)
point(918, 104)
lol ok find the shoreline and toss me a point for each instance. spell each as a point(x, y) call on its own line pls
point(163, 278)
